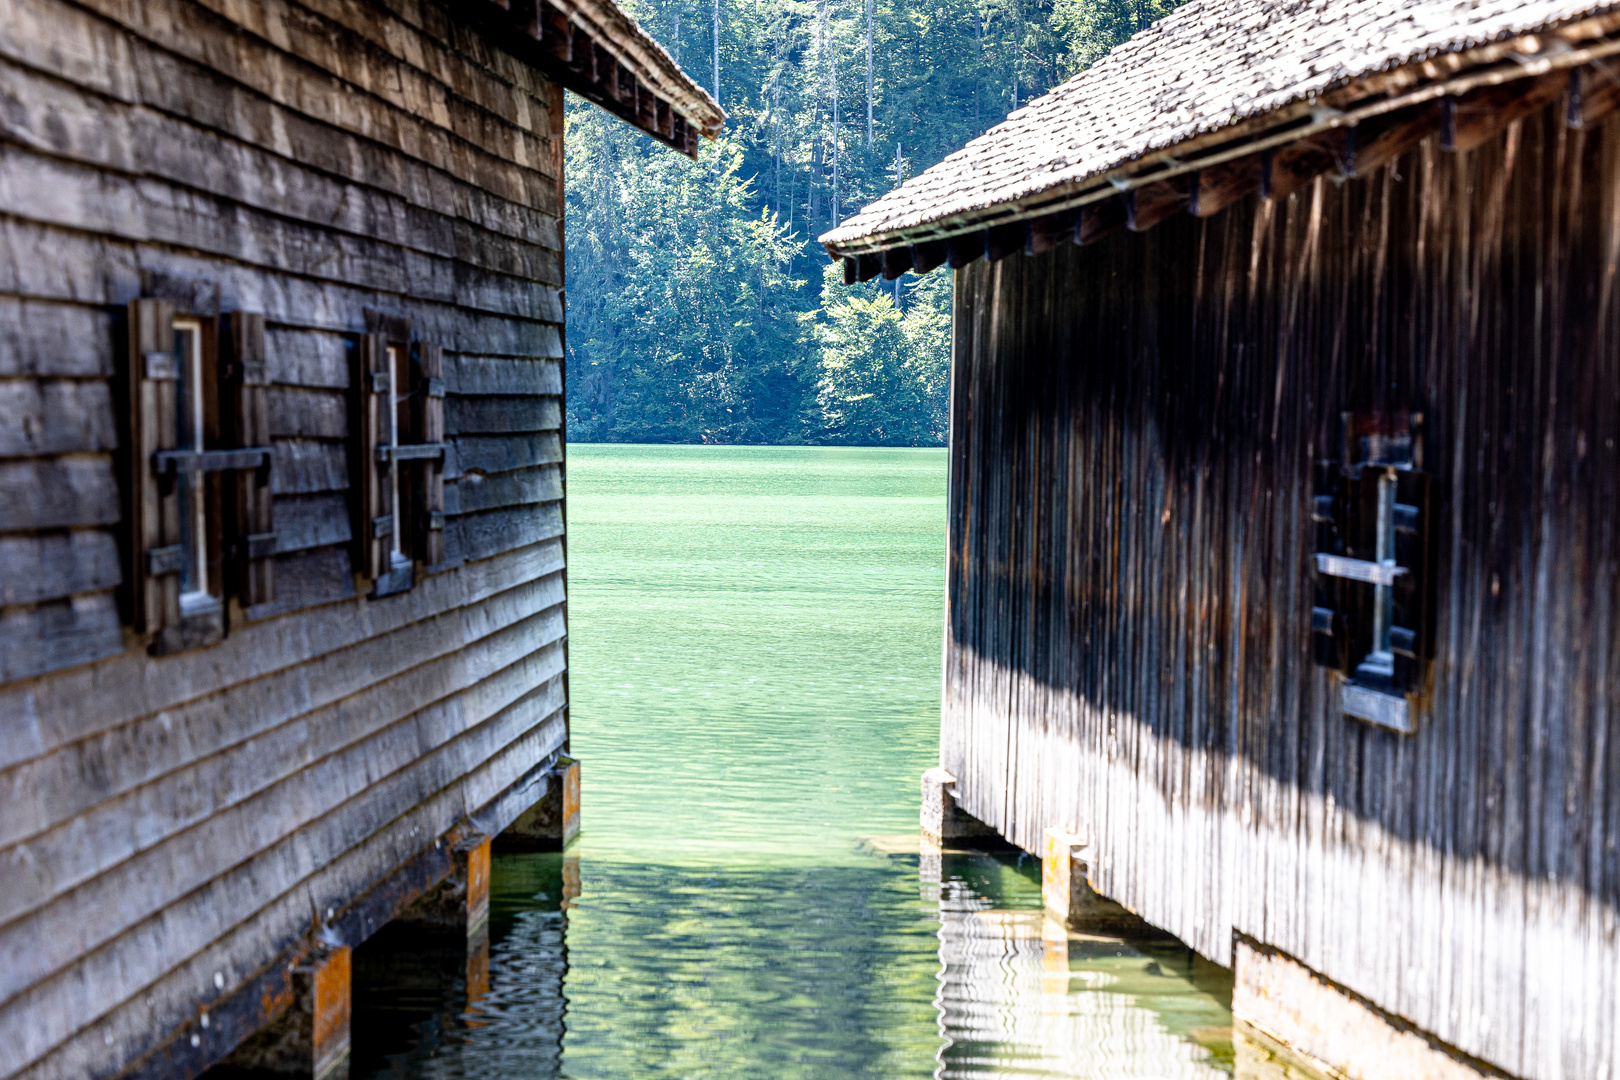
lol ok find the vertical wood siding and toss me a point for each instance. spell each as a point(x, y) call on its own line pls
point(1133, 431)
point(167, 824)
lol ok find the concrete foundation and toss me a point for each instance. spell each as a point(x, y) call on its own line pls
point(1282, 1004)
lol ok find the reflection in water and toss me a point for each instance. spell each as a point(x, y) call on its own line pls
point(838, 971)
point(1022, 996)
point(754, 656)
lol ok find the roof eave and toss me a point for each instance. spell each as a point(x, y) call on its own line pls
point(1347, 105)
point(594, 49)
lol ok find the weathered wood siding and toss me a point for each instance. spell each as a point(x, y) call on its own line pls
point(1133, 430)
point(168, 825)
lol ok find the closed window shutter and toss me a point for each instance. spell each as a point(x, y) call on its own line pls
point(1330, 645)
point(157, 554)
point(255, 540)
point(429, 400)
point(374, 522)
point(1412, 625)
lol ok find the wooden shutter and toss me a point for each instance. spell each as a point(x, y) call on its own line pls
point(254, 527)
point(1411, 627)
point(430, 422)
point(156, 552)
point(374, 524)
point(1329, 631)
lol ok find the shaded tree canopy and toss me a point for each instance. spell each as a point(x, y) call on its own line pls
point(700, 309)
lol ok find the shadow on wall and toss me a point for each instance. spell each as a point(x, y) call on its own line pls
point(1137, 426)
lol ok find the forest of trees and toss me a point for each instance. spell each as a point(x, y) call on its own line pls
point(700, 308)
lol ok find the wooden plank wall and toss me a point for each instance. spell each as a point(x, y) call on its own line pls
point(168, 825)
point(1133, 430)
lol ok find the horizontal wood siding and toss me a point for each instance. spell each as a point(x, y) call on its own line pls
point(1134, 428)
point(170, 823)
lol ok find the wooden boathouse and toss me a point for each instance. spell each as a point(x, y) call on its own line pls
point(1281, 594)
point(282, 554)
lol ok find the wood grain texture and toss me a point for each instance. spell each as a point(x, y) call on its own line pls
point(49, 637)
point(51, 565)
point(58, 492)
point(469, 375)
point(136, 140)
point(485, 415)
point(479, 491)
point(306, 466)
point(172, 819)
point(245, 801)
point(479, 536)
point(307, 521)
point(55, 416)
point(1134, 428)
point(47, 339)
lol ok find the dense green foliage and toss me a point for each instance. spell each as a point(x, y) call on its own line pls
point(700, 308)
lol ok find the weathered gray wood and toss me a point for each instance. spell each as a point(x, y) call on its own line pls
point(51, 565)
point(307, 521)
point(49, 637)
point(133, 210)
point(306, 466)
point(310, 414)
point(100, 56)
point(486, 375)
point(489, 454)
point(46, 263)
point(41, 338)
point(178, 817)
point(472, 153)
point(55, 417)
point(53, 493)
point(153, 686)
point(304, 579)
point(480, 415)
point(487, 77)
point(335, 868)
point(494, 531)
point(312, 358)
point(71, 123)
point(480, 491)
point(245, 808)
point(1134, 433)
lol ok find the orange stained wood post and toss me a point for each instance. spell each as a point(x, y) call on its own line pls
point(569, 770)
point(553, 821)
point(477, 978)
point(324, 987)
point(470, 864)
point(1063, 874)
point(570, 883)
point(307, 1037)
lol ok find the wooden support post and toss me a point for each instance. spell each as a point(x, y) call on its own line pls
point(1066, 890)
point(310, 1040)
point(943, 822)
point(460, 903)
point(553, 821)
point(1329, 1028)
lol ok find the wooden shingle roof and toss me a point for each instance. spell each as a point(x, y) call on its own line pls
point(1220, 81)
point(594, 48)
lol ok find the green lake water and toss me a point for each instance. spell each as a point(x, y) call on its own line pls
point(755, 642)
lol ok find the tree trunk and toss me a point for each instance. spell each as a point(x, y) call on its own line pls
point(870, 4)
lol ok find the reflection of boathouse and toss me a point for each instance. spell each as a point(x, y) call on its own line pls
point(282, 605)
point(1281, 588)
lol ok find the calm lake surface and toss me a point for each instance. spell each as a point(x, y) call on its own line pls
point(755, 657)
